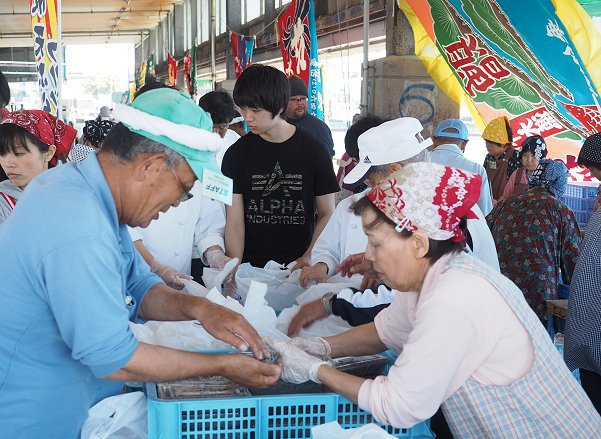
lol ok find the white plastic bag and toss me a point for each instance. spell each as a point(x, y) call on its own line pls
point(331, 325)
point(117, 417)
point(333, 430)
point(193, 288)
point(191, 336)
point(214, 278)
point(282, 284)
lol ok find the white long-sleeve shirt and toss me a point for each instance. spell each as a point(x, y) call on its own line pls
point(458, 327)
point(185, 231)
point(341, 237)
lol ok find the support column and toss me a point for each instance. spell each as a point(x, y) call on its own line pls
point(233, 20)
point(399, 84)
point(179, 34)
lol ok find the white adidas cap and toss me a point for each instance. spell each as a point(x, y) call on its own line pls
point(390, 142)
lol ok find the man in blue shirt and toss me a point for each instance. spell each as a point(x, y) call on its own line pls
point(449, 140)
point(72, 280)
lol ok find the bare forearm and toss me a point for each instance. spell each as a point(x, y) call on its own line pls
point(340, 382)
point(144, 252)
point(361, 340)
point(234, 241)
point(166, 304)
point(321, 223)
point(157, 363)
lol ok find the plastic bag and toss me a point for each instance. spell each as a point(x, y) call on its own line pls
point(191, 336)
point(214, 278)
point(333, 430)
point(282, 284)
point(117, 417)
point(331, 325)
point(194, 288)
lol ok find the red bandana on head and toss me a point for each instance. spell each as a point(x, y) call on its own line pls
point(428, 198)
point(46, 128)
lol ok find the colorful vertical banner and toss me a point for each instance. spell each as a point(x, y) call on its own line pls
point(45, 21)
point(171, 70)
point(298, 43)
point(143, 69)
point(517, 59)
point(190, 72)
point(193, 75)
point(242, 48)
point(150, 71)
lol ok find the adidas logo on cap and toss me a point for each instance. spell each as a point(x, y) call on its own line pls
point(367, 160)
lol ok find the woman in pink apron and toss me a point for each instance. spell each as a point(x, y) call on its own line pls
point(465, 337)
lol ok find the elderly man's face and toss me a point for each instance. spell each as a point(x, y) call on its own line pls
point(165, 188)
point(297, 107)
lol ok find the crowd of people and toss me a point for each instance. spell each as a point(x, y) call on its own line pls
point(452, 261)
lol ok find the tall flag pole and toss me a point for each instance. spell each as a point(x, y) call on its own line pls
point(536, 62)
point(46, 26)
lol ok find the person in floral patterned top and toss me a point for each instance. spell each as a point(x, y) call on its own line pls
point(537, 237)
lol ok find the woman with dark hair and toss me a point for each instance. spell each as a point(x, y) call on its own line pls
point(501, 160)
point(466, 338)
point(533, 151)
point(31, 141)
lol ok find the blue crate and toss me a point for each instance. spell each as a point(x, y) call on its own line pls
point(580, 191)
point(258, 417)
point(581, 199)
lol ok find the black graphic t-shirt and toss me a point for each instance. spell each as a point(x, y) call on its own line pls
point(279, 183)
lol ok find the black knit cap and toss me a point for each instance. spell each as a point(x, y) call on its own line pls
point(297, 86)
point(590, 153)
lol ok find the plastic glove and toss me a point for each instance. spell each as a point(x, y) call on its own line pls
point(298, 366)
point(230, 288)
point(217, 259)
point(169, 275)
point(315, 346)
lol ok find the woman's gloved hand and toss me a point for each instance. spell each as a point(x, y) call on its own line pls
point(297, 366)
point(170, 275)
point(217, 259)
point(316, 346)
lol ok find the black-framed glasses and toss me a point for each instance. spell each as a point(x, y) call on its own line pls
point(221, 126)
point(298, 100)
point(186, 194)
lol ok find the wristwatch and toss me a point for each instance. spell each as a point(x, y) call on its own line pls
point(326, 301)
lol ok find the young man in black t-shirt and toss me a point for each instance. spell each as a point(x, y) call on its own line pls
point(282, 177)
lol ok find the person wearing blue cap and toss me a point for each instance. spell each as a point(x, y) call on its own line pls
point(72, 280)
point(449, 141)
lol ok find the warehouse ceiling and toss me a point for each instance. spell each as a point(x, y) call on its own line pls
point(86, 21)
point(109, 21)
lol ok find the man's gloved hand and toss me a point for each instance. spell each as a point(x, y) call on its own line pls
point(169, 274)
point(316, 346)
point(217, 259)
point(298, 366)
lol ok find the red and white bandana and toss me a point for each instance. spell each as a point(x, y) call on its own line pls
point(46, 128)
point(428, 198)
